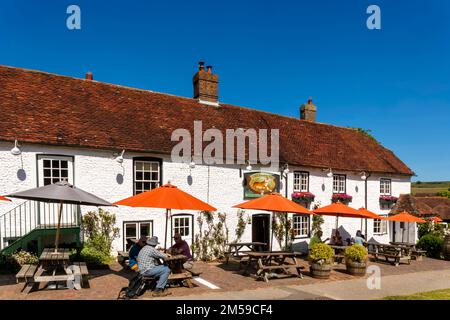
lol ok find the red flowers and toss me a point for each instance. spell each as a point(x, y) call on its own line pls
point(388, 199)
point(303, 196)
point(341, 197)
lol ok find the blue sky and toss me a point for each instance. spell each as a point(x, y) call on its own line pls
point(270, 55)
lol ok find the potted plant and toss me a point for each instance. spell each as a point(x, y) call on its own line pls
point(356, 258)
point(321, 259)
point(302, 197)
point(388, 200)
point(341, 197)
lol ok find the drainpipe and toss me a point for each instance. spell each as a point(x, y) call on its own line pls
point(365, 200)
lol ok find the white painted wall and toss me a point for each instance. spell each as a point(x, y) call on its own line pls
point(97, 172)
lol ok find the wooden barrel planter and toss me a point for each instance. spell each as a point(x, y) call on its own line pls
point(320, 271)
point(446, 247)
point(356, 268)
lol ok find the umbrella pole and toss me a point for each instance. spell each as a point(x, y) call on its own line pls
point(287, 232)
point(58, 227)
point(165, 236)
point(271, 228)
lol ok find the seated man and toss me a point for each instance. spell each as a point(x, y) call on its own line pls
point(182, 247)
point(336, 239)
point(150, 265)
point(134, 252)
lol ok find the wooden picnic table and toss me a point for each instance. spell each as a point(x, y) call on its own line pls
point(391, 253)
point(338, 252)
point(178, 273)
point(235, 249)
point(269, 262)
point(50, 262)
point(416, 254)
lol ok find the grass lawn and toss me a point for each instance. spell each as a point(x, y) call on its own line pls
point(431, 295)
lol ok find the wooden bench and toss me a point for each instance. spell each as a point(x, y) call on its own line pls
point(84, 273)
point(393, 257)
point(265, 271)
point(418, 254)
point(26, 273)
point(174, 277)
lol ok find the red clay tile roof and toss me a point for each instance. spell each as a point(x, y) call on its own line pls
point(38, 107)
point(439, 205)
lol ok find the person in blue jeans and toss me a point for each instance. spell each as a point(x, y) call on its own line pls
point(150, 265)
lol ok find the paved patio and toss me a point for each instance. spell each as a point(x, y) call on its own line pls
point(106, 284)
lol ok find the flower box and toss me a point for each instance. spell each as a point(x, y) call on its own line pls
point(388, 199)
point(341, 197)
point(302, 197)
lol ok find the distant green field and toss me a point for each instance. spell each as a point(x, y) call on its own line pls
point(429, 187)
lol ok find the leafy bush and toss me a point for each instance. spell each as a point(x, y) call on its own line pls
point(321, 253)
point(24, 257)
point(432, 244)
point(93, 256)
point(13, 263)
point(444, 193)
point(356, 253)
point(100, 230)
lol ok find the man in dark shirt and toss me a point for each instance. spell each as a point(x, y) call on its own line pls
point(182, 247)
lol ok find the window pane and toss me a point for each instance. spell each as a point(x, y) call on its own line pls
point(64, 164)
point(145, 229)
point(139, 175)
point(47, 181)
point(55, 163)
point(55, 173)
point(47, 163)
point(130, 230)
point(147, 176)
point(64, 173)
point(47, 173)
point(147, 166)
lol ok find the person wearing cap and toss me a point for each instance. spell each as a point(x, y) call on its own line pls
point(150, 265)
point(134, 252)
point(182, 247)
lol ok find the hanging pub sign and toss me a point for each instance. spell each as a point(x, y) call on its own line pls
point(258, 184)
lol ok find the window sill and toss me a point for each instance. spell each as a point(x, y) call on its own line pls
point(301, 237)
point(380, 234)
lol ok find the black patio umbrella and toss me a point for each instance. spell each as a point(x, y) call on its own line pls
point(60, 192)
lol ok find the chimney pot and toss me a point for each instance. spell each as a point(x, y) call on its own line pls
point(209, 69)
point(89, 76)
point(201, 66)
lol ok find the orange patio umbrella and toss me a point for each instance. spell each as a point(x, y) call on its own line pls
point(274, 202)
point(4, 199)
point(166, 197)
point(405, 217)
point(339, 209)
point(370, 215)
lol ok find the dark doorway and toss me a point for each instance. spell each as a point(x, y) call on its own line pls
point(261, 229)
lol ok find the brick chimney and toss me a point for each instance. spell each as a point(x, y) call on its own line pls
point(308, 111)
point(206, 85)
point(89, 76)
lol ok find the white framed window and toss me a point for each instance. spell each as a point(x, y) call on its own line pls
point(53, 169)
point(300, 224)
point(379, 226)
point(339, 183)
point(385, 187)
point(182, 225)
point(133, 230)
point(147, 174)
point(301, 181)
